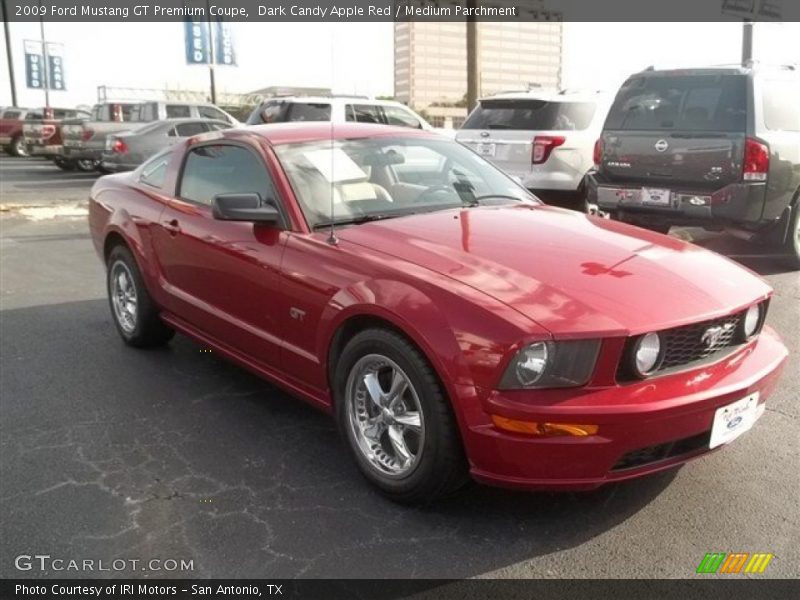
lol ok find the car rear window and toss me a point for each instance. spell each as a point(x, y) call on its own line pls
point(283, 112)
point(680, 102)
point(537, 115)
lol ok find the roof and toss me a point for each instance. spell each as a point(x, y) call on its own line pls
point(332, 100)
point(285, 133)
point(550, 95)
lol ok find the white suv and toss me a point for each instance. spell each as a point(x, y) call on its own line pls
point(544, 139)
point(341, 109)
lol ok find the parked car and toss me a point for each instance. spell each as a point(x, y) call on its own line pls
point(545, 139)
point(339, 109)
point(11, 121)
point(717, 147)
point(87, 140)
point(453, 326)
point(43, 138)
point(126, 150)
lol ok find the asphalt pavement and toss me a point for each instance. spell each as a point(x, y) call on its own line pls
point(109, 453)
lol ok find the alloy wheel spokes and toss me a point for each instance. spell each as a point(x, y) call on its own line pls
point(385, 415)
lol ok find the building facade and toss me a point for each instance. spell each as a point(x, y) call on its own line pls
point(430, 63)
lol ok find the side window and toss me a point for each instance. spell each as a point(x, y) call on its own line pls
point(365, 113)
point(212, 112)
point(178, 111)
point(190, 129)
point(401, 117)
point(309, 111)
point(34, 116)
point(61, 113)
point(782, 105)
point(12, 114)
point(155, 170)
point(223, 169)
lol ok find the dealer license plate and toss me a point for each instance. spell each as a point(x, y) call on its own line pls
point(655, 196)
point(732, 420)
point(485, 149)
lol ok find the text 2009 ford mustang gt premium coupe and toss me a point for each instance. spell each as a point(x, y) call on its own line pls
point(452, 323)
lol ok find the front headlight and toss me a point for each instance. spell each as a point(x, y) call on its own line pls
point(551, 365)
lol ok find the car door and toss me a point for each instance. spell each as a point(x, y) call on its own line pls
point(221, 276)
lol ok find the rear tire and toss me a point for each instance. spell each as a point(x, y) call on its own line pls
point(406, 444)
point(135, 314)
point(17, 147)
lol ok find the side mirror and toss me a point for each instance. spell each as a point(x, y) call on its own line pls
point(244, 207)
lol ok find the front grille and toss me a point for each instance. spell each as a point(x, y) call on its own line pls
point(691, 345)
point(685, 345)
point(654, 454)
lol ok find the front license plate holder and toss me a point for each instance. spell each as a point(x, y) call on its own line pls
point(732, 420)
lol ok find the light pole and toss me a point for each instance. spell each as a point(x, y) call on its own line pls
point(211, 56)
point(7, 31)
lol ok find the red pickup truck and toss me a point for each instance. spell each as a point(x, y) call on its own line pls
point(11, 121)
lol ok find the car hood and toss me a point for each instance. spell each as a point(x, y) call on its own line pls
point(570, 273)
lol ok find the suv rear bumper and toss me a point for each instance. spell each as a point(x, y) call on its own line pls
point(738, 204)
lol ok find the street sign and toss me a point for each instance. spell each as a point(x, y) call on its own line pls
point(756, 10)
point(198, 48)
point(55, 67)
point(225, 51)
point(198, 43)
point(34, 64)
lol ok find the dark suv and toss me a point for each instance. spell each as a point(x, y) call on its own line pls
point(716, 147)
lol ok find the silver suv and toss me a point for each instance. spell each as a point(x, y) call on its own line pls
point(544, 139)
point(339, 109)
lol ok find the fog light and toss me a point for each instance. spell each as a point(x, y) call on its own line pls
point(751, 320)
point(647, 353)
point(543, 429)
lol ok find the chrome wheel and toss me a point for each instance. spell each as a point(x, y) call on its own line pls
point(385, 416)
point(19, 148)
point(123, 296)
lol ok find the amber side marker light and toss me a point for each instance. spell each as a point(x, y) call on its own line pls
point(543, 429)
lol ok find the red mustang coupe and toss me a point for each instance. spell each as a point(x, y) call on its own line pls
point(452, 323)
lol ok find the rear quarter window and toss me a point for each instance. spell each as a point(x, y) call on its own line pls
point(535, 115)
point(782, 105)
point(680, 102)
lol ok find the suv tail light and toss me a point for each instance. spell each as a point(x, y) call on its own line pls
point(597, 154)
point(542, 147)
point(756, 160)
point(48, 131)
point(119, 147)
point(86, 134)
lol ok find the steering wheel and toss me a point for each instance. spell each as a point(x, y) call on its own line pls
point(435, 190)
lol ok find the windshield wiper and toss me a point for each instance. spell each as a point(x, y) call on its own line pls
point(477, 199)
point(361, 219)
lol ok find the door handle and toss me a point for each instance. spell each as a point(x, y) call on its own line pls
point(172, 227)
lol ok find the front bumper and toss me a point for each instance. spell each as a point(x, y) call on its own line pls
point(77, 153)
point(644, 427)
point(735, 204)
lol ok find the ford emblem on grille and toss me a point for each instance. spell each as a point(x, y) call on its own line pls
point(661, 145)
point(713, 335)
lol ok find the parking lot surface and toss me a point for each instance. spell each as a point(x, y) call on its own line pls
point(112, 453)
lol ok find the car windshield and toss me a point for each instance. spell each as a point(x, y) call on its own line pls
point(384, 177)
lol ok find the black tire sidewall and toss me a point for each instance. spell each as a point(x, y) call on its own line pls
point(431, 396)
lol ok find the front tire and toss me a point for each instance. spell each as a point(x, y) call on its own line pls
point(397, 422)
point(64, 164)
point(792, 244)
point(133, 310)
